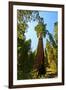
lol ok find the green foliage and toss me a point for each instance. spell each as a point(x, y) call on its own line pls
point(52, 41)
point(25, 57)
point(52, 60)
point(56, 32)
point(52, 52)
point(21, 30)
point(27, 15)
point(23, 17)
point(41, 29)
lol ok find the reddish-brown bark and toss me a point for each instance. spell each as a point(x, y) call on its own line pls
point(40, 53)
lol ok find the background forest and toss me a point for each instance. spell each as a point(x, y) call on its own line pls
point(43, 61)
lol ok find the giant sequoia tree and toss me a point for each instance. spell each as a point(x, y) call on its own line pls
point(39, 59)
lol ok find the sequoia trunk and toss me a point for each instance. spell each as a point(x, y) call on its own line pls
point(39, 60)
